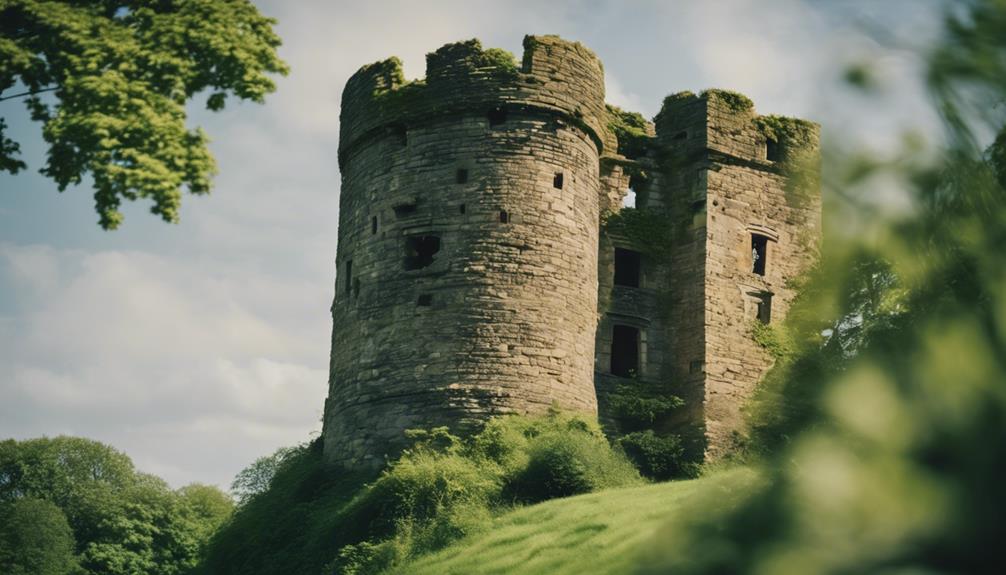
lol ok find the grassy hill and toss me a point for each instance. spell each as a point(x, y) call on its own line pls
point(608, 532)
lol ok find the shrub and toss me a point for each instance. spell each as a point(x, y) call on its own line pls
point(569, 462)
point(657, 457)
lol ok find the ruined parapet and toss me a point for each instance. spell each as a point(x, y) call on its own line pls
point(467, 259)
point(744, 195)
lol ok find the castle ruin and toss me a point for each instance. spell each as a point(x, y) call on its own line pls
point(486, 265)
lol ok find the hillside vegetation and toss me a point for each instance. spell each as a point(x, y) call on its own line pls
point(608, 532)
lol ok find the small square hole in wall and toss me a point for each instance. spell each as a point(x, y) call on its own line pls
point(496, 116)
point(461, 176)
point(504, 217)
point(557, 181)
point(420, 251)
point(424, 300)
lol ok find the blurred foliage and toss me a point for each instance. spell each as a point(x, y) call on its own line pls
point(121, 74)
point(883, 434)
point(121, 521)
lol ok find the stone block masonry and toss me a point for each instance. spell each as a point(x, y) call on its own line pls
point(468, 282)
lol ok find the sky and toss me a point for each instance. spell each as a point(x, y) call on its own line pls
point(196, 348)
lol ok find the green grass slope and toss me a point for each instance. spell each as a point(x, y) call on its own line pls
point(608, 532)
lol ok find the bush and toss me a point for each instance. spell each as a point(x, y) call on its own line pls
point(570, 461)
point(657, 457)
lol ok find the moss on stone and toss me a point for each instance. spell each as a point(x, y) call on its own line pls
point(734, 100)
point(648, 230)
point(631, 130)
point(794, 131)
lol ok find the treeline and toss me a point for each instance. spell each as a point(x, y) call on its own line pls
point(70, 505)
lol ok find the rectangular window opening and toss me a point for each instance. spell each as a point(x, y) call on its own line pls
point(697, 366)
point(773, 151)
point(461, 176)
point(424, 300)
point(557, 181)
point(356, 288)
point(461, 208)
point(373, 225)
point(628, 267)
point(349, 275)
point(624, 351)
point(404, 210)
point(504, 217)
point(764, 308)
point(496, 116)
point(419, 251)
point(759, 253)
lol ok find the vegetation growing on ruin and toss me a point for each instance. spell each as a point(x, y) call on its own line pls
point(736, 101)
point(631, 130)
point(771, 339)
point(784, 129)
point(649, 231)
point(310, 520)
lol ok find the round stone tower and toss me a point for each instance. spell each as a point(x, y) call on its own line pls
point(468, 240)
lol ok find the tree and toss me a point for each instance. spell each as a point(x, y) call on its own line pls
point(257, 477)
point(35, 539)
point(123, 522)
point(109, 80)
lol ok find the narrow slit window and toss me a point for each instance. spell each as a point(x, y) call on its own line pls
point(420, 251)
point(373, 225)
point(557, 181)
point(759, 253)
point(400, 133)
point(628, 267)
point(356, 288)
point(504, 217)
point(425, 300)
point(461, 209)
point(496, 116)
point(461, 176)
point(773, 152)
point(624, 351)
point(764, 309)
point(349, 276)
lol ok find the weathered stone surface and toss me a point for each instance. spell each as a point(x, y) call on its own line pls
point(474, 280)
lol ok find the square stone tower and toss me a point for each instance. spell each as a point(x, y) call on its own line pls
point(727, 216)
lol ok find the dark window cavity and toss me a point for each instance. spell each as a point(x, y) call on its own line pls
point(624, 351)
point(683, 135)
point(373, 225)
point(697, 366)
point(557, 181)
point(425, 300)
point(764, 307)
point(497, 116)
point(759, 253)
point(349, 275)
point(628, 265)
point(404, 210)
point(461, 208)
point(400, 133)
point(773, 151)
point(504, 217)
point(698, 206)
point(356, 288)
point(461, 176)
point(419, 251)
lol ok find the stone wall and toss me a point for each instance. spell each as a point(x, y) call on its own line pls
point(497, 313)
point(475, 273)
